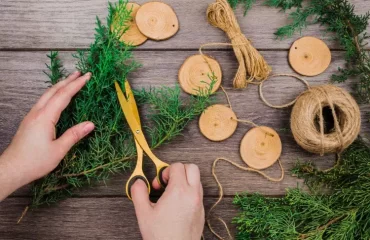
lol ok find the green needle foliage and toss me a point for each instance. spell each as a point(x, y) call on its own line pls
point(337, 207)
point(349, 28)
point(246, 3)
point(110, 148)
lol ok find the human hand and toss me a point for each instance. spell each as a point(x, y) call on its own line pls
point(179, 213)
point(34, 150)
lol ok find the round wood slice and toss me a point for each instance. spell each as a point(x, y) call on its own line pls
point(261, 147)
point(194, 74)
point(133, 36)
point(157, 21)
point(217, 124)
point(309, 56)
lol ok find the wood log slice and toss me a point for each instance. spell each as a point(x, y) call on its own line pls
point(261, 147)
point(218, 123)
point(157, 21)
point(195, 74)
point(309, 56)
point(133, 35)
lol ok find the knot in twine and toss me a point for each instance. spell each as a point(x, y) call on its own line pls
point(307, 120)
point(251, 62)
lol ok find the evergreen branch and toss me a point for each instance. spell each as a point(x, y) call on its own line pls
point(321, 228)
point(84, 173)
point(339, 17)
point(56, 69)
point(109, 149)
point(337, 209)
point(247, 4)
point(284, 4)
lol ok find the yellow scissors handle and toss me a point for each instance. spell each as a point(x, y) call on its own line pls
point(138, 172)
point(160, 167)
point(159, 164)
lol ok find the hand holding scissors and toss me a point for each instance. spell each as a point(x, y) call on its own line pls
point(130, 110)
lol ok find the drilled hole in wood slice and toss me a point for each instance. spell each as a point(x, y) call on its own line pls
point(132, 36)
point(261, 147)
point(195, 73)
point(309, 56)
point(217, 124)
point(157, 21)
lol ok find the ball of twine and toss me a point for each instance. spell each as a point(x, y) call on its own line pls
point(307, 120)
point(251, 62)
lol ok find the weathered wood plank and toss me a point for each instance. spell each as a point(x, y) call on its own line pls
point(86, 218)
point(34, 24)
point(22, 82)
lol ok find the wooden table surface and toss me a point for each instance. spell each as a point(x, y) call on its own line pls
point(31, 28)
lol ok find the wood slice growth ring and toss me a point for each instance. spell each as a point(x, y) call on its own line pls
point(217, 123)
point(261, 147)
point(194, 74)
point(309, 56)
point(133, 35)
point(157, 20)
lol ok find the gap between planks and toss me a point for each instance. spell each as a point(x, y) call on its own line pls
point(148, 50)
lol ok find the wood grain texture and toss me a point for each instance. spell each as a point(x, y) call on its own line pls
point(86, 218)
point(67, 24)
point(102, 211)
point(22, 82)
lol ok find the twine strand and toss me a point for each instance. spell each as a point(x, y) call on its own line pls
point(227, 97)
point(245, 121)
point(221, 191)
point(283, 105)
point(23, 214)
point(252, 66)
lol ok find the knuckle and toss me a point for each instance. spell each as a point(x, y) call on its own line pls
point(61, 92)
point(177, 166)
point(193, 167)
point(33, 116)
point(75, 135)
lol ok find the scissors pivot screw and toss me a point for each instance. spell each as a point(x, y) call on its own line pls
point(138, 131)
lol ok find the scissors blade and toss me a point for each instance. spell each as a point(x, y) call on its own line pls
point(131, 118)
point(131, 99)
point(126, 106)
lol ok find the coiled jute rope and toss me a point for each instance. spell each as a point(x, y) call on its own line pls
point(307, 119)
point(252, 66)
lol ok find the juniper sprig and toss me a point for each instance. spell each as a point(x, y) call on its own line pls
point(337, 208)
point(247, 4)
point(349, 28)
point(109, 149)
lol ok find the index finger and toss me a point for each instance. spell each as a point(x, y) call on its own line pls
point(63, 97)
point(174, 175)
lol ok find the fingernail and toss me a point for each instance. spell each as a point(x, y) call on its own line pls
point(88, 127)
point(88, 74)
point(77, 72)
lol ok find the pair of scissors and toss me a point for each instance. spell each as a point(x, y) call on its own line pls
point(131, 112)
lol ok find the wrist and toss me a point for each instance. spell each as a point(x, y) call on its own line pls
point(11, 175)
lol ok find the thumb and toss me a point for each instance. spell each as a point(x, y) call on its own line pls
point(140, 198)
point(72, 136)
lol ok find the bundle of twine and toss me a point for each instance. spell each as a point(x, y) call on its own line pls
point(307, 120)
point(308, 110)
point(252, 66)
